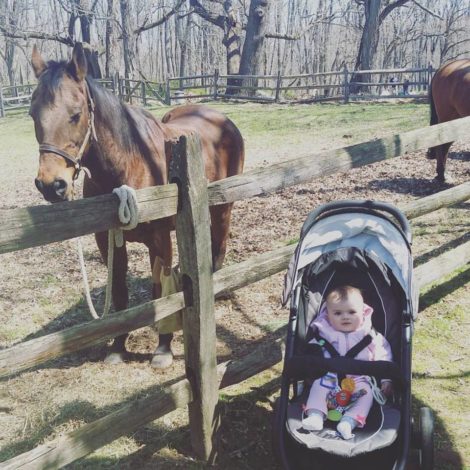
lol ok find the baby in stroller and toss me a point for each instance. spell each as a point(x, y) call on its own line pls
point(344, 327)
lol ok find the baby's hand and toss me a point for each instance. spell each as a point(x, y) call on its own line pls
point(387, 388)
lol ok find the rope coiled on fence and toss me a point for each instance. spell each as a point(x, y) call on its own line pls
point(129, 217)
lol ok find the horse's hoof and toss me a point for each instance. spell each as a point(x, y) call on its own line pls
point(448, 179)
point(162, 360)
point(115, 358)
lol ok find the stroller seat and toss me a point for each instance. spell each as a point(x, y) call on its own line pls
point(380, 431)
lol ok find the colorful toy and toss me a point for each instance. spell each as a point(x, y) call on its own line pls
point(341, 398)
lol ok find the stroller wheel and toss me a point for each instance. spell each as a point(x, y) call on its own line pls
point(426, 426)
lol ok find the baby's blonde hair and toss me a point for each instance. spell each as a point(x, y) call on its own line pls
point(341, 293)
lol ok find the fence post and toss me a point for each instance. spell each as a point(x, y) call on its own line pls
point(278, 87)
point(195, 257)
point(346, 84)
point(168, 92)
point(144, 97)
point(216, 79)
point(120, 88)
point(430, 71)
point(2, 106)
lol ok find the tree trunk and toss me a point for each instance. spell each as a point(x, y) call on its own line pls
point(126, 50)
point(368, 44)
point(8, 18)
point(255, 32)
point(183, 38)
point(232, 42)
point(82, 10)
point(110, 41)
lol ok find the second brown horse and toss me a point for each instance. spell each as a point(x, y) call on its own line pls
point(449, 99)
point(77, 122)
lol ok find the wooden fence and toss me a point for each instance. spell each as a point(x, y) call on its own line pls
point(317, 87)
point(189, 201)
point(339, 85)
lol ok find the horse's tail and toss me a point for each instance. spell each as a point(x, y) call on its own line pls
point(431, 153)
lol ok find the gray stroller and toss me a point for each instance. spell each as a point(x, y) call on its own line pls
point(365, 244)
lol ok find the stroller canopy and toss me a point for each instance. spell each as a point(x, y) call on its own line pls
point(376, 235)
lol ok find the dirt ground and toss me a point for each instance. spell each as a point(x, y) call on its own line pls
point(41, 282)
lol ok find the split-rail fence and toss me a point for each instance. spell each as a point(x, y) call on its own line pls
point(336, 86)
point(188, 198)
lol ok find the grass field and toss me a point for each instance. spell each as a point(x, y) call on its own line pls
point(41, 293)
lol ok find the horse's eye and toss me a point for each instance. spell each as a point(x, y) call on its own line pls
point(75, 118)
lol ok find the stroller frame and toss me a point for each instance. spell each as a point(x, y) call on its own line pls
point(297, 366)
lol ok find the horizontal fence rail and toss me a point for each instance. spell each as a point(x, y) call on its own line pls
point(300, 170)
point(33, 226)
point(39, 225)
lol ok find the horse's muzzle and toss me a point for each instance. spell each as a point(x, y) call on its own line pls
point(54, 192)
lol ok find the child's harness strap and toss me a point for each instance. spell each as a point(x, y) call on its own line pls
point(352, 353)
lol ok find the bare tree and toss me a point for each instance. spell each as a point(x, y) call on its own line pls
point(8, 21)
point(110, 39)
point(224, 16)
point(375, 12)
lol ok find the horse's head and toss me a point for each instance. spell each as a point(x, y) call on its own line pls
point(62, 114)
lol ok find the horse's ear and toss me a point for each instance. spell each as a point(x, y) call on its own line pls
point(37, 62)
point(78, 66)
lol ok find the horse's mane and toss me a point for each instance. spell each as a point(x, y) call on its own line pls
point(111, 111)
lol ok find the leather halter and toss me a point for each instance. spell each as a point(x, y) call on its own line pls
point(76, 161)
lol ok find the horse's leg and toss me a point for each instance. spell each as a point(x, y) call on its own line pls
point(117, 351)
point(441, 155)
point(161, 259)
point(220, 228)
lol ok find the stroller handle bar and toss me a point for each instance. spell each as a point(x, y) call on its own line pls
point(363, 206)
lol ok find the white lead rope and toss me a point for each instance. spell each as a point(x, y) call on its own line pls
point(128, 216)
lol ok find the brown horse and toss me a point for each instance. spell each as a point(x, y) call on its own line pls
point(450, 99)
point(80, 124)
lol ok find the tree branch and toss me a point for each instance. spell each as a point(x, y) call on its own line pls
point(427, 10)
point(285, 37)
point(212, 17)
point(390, 7)
point(67, 40)
point(160, 21)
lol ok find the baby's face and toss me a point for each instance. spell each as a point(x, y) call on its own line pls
point(346, 315)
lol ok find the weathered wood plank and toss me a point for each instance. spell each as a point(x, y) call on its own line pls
point(39, 225)
point(195, 255)
point(303, 169)
point(252, 270)
point(442, 265)
point(33, 226)
point(39, 350)
point(436, 201)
